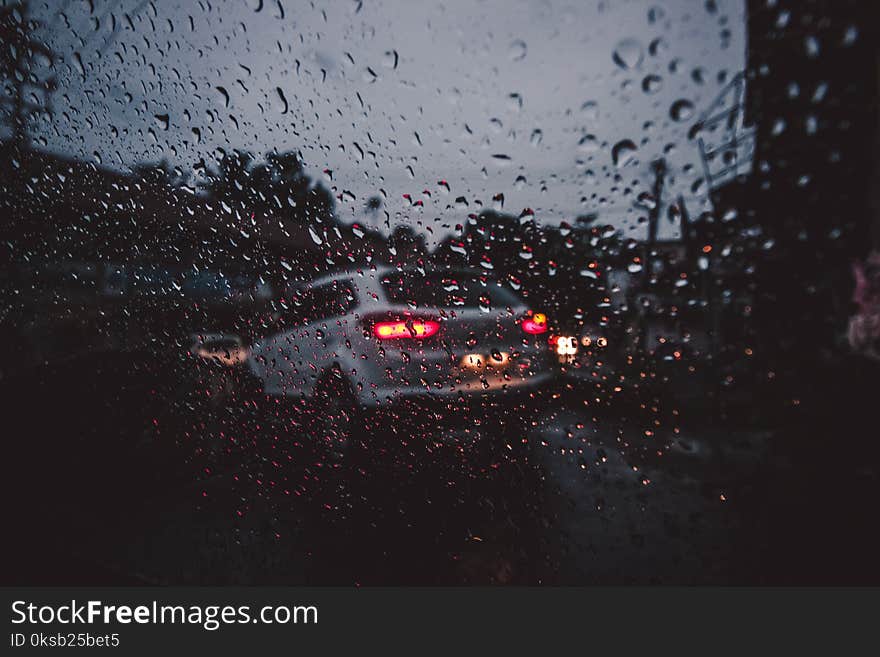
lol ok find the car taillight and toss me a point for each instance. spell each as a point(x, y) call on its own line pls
point(536, 324)
point(417, 328)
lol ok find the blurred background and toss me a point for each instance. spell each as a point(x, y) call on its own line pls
point(686, 192)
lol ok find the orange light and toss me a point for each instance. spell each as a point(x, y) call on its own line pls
point(535, 324)
point(473, 361)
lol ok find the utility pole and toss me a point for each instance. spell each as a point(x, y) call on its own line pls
point(19, 64)
point(658, 168)
point(686, 237)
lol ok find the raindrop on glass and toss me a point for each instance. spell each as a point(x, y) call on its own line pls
point(681, 110)
point(623, 152)
point(517, 50)
point(628, 54)
point(651, 84)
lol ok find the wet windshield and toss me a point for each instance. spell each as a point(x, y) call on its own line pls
point(446, 290)
point(510, 291)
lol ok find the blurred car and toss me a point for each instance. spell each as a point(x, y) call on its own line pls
point(363, 339)
point(389, 334)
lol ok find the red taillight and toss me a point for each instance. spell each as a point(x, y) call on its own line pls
point(417, 328)
point(535, 325)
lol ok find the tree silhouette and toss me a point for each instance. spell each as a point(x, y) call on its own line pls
point(406, 246)
point(277, 187)
point(230, 181)
point(21, 56)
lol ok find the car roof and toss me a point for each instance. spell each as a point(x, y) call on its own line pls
point(381, 270)
point(369, 277)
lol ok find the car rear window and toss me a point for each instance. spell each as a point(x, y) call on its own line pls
point(446, 290)
point(322, 302)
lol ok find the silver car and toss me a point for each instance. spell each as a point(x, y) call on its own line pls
point(375, 336)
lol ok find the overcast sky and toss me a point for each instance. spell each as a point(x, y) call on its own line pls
point(513, 97)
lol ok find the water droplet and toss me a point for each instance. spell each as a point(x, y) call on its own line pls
point(628, 54)
point(647, 200)
point(811, 45)
point(78, 64)
point(681, 110)
point(590, 110)
point(390, 59)
point(651, 84)
point(517, 50)
point(282, 101)
point(588, 144)
point(811, 124)
point(657, 47)
point(623, 152)
point(655, 15)
point(369, 75)
point(514, 102)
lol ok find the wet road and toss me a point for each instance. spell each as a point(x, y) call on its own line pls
point(571, 497)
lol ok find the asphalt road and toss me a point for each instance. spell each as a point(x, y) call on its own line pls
point(156, 487)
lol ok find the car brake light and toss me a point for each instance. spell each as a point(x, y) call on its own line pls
point(419, 328)
point(536, 324)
